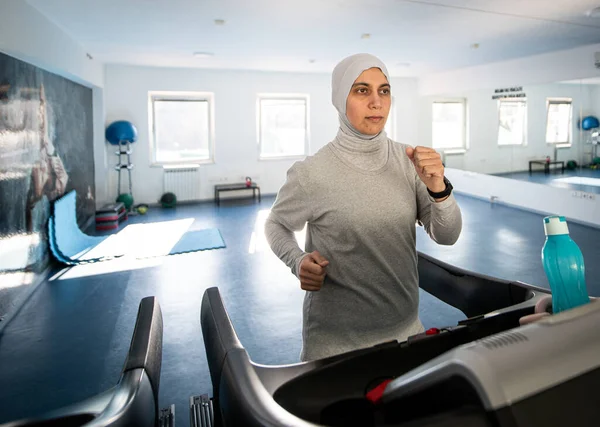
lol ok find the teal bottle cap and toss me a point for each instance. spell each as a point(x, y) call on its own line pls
point(555, 225)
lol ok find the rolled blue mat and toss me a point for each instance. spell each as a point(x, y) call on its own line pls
point(70, 245)
point(69, 241)
point(53, 247)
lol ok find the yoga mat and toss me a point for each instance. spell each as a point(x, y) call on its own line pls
point(69, 241)
point(53, 245)
point(199, 240)
point(71, 246)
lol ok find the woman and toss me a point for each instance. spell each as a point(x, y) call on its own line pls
point(360, 196)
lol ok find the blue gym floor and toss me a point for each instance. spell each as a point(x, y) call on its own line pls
point(541, 178)
point(70, 338)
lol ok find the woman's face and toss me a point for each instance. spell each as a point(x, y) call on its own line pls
point(368, 102)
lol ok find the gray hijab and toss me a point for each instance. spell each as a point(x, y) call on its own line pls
point(344, 75)
point(368, 153)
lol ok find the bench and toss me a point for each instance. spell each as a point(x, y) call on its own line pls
point(546, 165)
point(236, 187)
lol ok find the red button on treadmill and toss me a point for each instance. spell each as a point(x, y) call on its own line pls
point(432, 331)
point(375, 394)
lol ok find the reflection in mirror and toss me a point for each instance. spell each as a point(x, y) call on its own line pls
point(545, 133)
point(588, 126)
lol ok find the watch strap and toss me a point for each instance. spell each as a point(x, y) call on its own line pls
point(446, 192)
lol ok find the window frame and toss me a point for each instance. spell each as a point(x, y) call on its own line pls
point(525, 135)
point(182, 96)
point(289, 97)
point(465, 140)
point(569, 142)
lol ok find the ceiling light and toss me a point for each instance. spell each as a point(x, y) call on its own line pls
point(203, 54)
point(219, 22)
point(594, 13)
point(365, 36)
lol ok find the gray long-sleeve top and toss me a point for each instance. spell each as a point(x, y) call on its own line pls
point(363, 221)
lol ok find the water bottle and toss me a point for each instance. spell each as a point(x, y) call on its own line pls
point(563, 263)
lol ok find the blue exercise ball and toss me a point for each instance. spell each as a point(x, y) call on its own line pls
point(589, 122)
point(121, 130)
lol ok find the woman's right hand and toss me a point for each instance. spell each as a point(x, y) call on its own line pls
point(312, 271)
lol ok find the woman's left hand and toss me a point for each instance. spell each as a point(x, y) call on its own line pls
point(429, 167)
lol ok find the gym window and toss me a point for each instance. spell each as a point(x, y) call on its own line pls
point(282, 126)
point(558, 121)
point(449, 124)
point(512, 122)
point(181, 127)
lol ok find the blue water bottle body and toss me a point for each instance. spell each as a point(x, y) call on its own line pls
point(564, 267)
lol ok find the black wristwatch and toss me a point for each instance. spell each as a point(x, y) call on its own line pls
point(444, 193)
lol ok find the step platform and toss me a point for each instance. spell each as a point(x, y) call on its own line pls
point(108, 217)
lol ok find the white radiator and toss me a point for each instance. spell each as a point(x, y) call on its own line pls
point(183, 182)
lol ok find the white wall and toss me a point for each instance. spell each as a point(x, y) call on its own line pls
point(103, 196)
point(236, 150)
point(546, 68)
point(28, 35)
point(532, 196)
point(406, 115)
point(484, 154)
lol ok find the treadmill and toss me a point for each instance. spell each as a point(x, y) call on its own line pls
point(486, 371)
